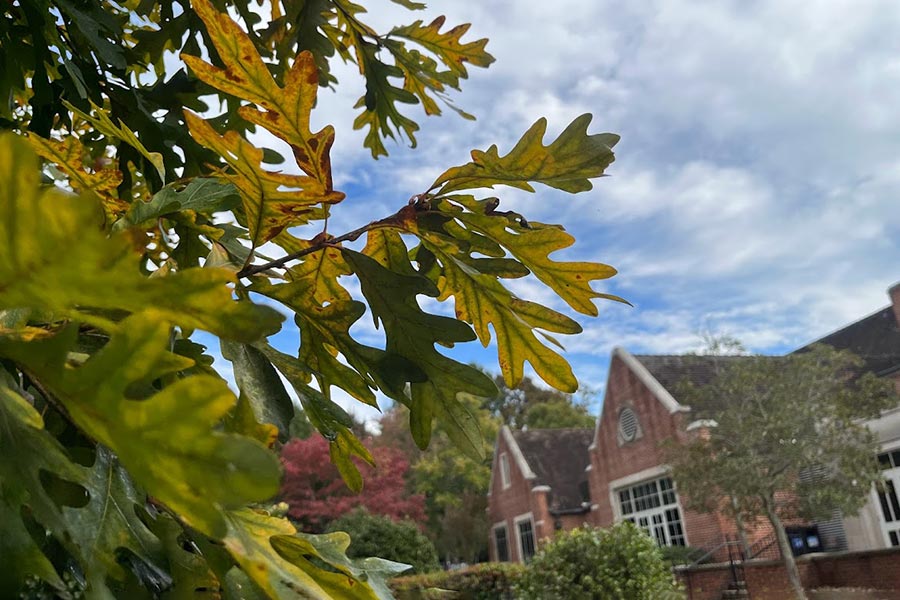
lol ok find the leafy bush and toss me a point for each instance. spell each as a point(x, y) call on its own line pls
point(377, 535)
point(488, 581)
point(617, 563)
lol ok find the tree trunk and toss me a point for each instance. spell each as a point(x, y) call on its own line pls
point(742, 532)
point(787, 555)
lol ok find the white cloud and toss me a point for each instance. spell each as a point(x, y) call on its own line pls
point(755, 187)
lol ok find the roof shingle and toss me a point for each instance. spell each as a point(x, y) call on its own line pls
point(558, 458)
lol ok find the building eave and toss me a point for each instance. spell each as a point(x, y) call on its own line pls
point(656, 388)
point(523, 465)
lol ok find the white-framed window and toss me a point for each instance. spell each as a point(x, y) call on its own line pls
point(525, 537)
point(501, 542)
point(504, 470)
point(653, 506)
point(888, 500)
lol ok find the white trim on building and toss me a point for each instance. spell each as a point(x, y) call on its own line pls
point(525, 517)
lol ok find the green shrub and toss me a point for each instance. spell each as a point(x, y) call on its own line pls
point(487, 581)
point(620, 563)
point(377, 535)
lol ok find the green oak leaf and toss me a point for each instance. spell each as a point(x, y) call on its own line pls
point(410, 4)
point(324, 331)
point(193, 579)
point(532, 244)
point(320, 271)
point(28, 449)
point(448, 45)
point(108, 521)
point(22, 558)
point(104, 124)
point(567, 164)
point(260, 385)
point(55, 258)
point(326, 416)
point(331, 548)
point(196, 471)
point(243, 421)
point(380, 113)
point(248, 541)
point(411, 333)
point(201, 195)
point(483, 301)
point(277, 560)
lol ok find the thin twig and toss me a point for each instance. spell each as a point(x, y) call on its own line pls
point(320, 242)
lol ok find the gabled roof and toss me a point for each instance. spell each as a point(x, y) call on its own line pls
point(558, 458)
point(875, 339)
point(674, 371)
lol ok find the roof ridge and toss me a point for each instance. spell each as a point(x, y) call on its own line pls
point(889, 307)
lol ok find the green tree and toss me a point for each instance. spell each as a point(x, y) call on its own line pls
point(620, 563)
point(527, 405)
point(788, 440)
point(131, 216)
point(455, 486)
point(454, 483)
point(400, 541)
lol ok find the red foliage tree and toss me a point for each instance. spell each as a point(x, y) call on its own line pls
point(316, 494)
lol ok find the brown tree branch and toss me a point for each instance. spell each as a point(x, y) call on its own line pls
point(321, 242)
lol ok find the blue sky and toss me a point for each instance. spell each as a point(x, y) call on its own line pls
point(754, 191)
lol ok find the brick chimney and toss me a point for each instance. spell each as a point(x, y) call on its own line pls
point(894, 293)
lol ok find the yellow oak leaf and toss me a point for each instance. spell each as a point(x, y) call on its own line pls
point(286, 108)
point(272, 201)
point(68, 155)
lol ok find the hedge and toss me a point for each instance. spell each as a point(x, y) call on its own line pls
point(486, 581)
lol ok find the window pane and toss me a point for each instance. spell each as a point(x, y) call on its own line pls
point(676, 532)
point(894, 539)
point(526, 537)
point(885, 510)
point(895, 455)
point(892, 496)
point(502, 546)
point(653, 493)
point(659, 531)
point(653, 507)
point(884, 460)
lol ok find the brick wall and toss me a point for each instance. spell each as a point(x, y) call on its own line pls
point(612, 460)
point(767, 580)
point(518, 499)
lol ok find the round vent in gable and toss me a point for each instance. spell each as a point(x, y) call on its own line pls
point(628, 424)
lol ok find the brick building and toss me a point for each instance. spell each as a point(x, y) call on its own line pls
point(538, 485)
point(624, 462)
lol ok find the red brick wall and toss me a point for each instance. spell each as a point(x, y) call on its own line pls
point(767, 580)
point(519, 498)
point(610, 461)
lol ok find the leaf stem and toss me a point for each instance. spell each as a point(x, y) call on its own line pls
point(321, 242)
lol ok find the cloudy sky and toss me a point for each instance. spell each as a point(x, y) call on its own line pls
point(755, 188)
